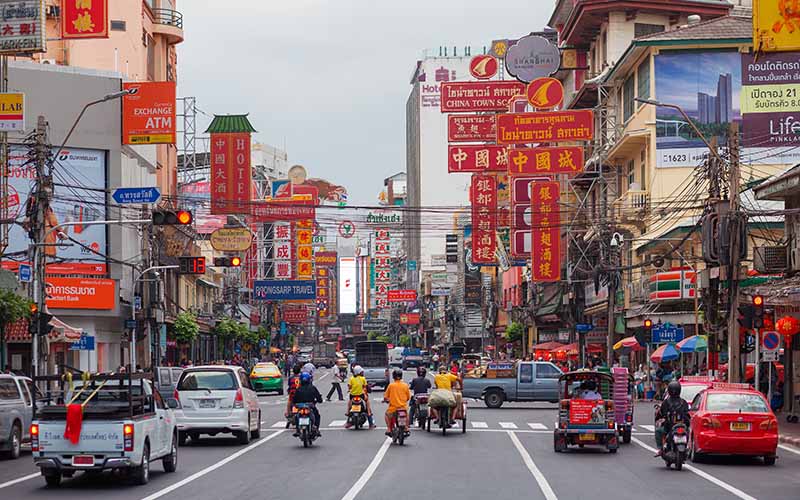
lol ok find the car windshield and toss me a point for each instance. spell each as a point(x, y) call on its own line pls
point(266, 370)
point(218, 380)
point(731, 402)
point(688, 392)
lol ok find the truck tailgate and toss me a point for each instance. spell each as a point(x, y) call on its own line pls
point(96, 437)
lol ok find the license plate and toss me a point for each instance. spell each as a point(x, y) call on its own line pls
point(83, 460)
point(305, 421)
point(740, 426)
point(680, 439)
point(586, 437)
point(401, 421)
point(207, 403)
point(355, 408)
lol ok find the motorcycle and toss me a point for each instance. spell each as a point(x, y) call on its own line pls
point(674, 448)
point(419, 409)
point(400, 427)
point(358, 413)
point(303, 421)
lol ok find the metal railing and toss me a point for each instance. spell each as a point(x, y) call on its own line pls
point(168, 17)
point(632, 204)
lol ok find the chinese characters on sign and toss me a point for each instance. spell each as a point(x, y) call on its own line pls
point(148, 115)
point(22, 29)
point(84, 19)
point(282, 250)
point(323, 291)
point(471, 128)
point(545, 231)
point(230, 173)
point(556, 126)
point(484, 218)
point(463, 97)
point(304, 233)
point(560, 160)
point(402, 295)
point(383, 267)
point(477, 158)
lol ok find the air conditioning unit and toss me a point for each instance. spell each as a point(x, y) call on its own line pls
point(770, 259)
point(659, 262)
point(48, 61)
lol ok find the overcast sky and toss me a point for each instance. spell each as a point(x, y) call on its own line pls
point(330, 79)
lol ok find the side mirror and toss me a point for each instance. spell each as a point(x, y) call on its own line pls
point(173, 404)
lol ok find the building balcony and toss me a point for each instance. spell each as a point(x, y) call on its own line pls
point(632, 207)
point(169, 23)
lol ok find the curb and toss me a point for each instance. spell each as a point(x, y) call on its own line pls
point(794, 441)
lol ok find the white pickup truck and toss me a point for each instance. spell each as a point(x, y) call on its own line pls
point(126, 425)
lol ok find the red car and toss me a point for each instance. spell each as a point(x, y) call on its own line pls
point(732, 419)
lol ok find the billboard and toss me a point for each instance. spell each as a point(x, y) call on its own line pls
point(80, 293)
point(23, 27)
point(280, 290)
point(81, 19)
point(775, 23)
point(83, 201)
point(770, 99)
point(347, 285)
point(148, 113)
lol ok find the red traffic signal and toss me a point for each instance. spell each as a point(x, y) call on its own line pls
point(648, 323)
point(227, 261)
point(236, 261)
point(172, 217)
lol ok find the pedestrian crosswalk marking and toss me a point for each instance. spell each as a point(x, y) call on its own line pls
point(338, 423)
point(537, 426)
point(508, 425)
point(281, 423)
point(650, 428)
point(480, 425)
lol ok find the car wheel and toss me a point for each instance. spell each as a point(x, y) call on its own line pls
point(141, 475)
point(256, 434)
point(769, 460)
point(52, 480)
point(15, 442)
point(244, 436)
point(493, 399)
point(280, 392)
point(170, 462)
point(182, 436)
point(694, 457)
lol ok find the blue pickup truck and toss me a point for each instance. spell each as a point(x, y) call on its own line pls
point(534, 381)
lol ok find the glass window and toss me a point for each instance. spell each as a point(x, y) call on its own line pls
point(118, 25)
point(223, 380)
point(643, 80)
point(525, 374)
point(546, 370)
point(631, 174)
point(627, 98)
point(642, 29)
point(244, 380)
point(8, 390)
point(745, 403)
point(695, 403)
point(159, 400)
point(25, 394)
point(164, 375)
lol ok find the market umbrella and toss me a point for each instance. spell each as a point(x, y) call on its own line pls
point(547, 346)
point(628, 343)
point(695, 343)
point(572, 349)
point(666, 352)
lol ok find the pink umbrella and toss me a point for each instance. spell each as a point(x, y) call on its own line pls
point(629, 343)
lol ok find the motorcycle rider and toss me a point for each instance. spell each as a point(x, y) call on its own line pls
point(291, 387)
point(397, 395)
point(309, 394)
point(357, 386)
point(420, 385)
point(675, 406)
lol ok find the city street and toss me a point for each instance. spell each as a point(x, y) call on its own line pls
point(506, 453)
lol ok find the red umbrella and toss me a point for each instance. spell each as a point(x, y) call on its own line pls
point(547, 346)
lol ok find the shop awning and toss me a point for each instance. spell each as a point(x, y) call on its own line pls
point(17, 332)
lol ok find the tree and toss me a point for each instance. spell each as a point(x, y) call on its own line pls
point(12, 309)
point(186, 327)
point(372, 335)
point(384, 338)
point(405, 340)
point(514, 331)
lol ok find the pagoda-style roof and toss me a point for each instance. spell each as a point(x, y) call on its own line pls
point(230, 124)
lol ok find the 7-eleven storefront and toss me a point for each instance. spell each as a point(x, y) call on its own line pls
point(59, 341)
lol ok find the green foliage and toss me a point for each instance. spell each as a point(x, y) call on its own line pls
point(264, 333)
point(405, 340)
point(186, 327)
point(13, 308)
point(384, 338)
point(372, 335)
point(514, 331)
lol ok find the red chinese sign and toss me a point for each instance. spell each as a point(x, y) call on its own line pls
point(554, 126)
point(476, 158)
point(401, 296)
point(409, 318)
point(465, 97)
point(295, 315)
point(545, 231)
point(383, 267)
point(231, 180)
point(323, 291)
point(84, 19)
point(542, 161)
point(471, 128)
point(484, 218)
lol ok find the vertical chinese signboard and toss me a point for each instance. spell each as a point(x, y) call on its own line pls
point(545, 231)
point(323, 291)
point(383, 267)
point(230, 173)
point(83, 19)
point(282, 250)
point(484, 218)
point(22, 29)
point(304, 235)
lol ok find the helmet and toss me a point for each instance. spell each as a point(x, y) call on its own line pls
point(305, 378)
point(421, 371)
point(397, 374)
point(358, 370)
point(442, 369)
point(591, 385)
point(674, 389)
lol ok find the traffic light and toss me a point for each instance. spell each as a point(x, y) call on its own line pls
point(172, 217)
point(648, 324)
point(234, 261)
point(746, 313)
point(758, 311)
point(191, 265)
point(40, 322)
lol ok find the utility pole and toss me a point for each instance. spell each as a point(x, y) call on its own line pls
point(4, 210)
point(734, 221)
point(40, 198)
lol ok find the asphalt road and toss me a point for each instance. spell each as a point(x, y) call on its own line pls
point(506, 453)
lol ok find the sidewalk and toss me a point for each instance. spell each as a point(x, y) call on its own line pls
point(788, 433)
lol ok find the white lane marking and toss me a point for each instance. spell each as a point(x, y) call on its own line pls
point(480, 425)
point(708, 477)
point(789, 449)
point(281, 423)
point(537, 426)
point(210, 468)
point(370, 470)
point(337, 423)
point(19, 480)
point(547, 491)
point(508, 425)
point(323, 376)
point(649, 428)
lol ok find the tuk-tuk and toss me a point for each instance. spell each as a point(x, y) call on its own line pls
point(586, 411)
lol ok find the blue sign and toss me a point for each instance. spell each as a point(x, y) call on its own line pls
point(130, 324)
point(136, 195)
point(162, 338)
point(284, 290)
point(584, 327)
point(412, 265)
point(137, 302)
point(262, 343)
point(284, 330)
point(771, 341)
point(237, 349)
point(86, 343)
point(24, 273)
point(667, 333)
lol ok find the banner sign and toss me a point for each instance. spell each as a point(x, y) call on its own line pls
point(775, 25)
point(545, 161)
point(471, 128)
point(402, 296)
point(545, 231)
point(476, 158)
point(295, 315)
point(409, 318)
point(12, 111)
point(770, 100)
point(465, 97)
point(80, 293)
point(553, 126)
point(325, 259)
point(231, 239)
point(84, 19)
point(282, 250)
point(231, 179)
point(148, 114)
point(23, 28)
point(586, 411)
point(484, 218)
point(279, 290)
point(323, 289)
point(274, 211)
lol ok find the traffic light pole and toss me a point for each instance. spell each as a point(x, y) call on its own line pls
point(133, 312)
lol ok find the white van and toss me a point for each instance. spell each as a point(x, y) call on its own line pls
point(396, 356)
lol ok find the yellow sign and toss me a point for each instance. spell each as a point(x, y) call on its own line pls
point(775, 25)
point(770, 98)
point(12, 111)
point(228, 239)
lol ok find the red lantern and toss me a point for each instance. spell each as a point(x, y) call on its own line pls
point(788, 326)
